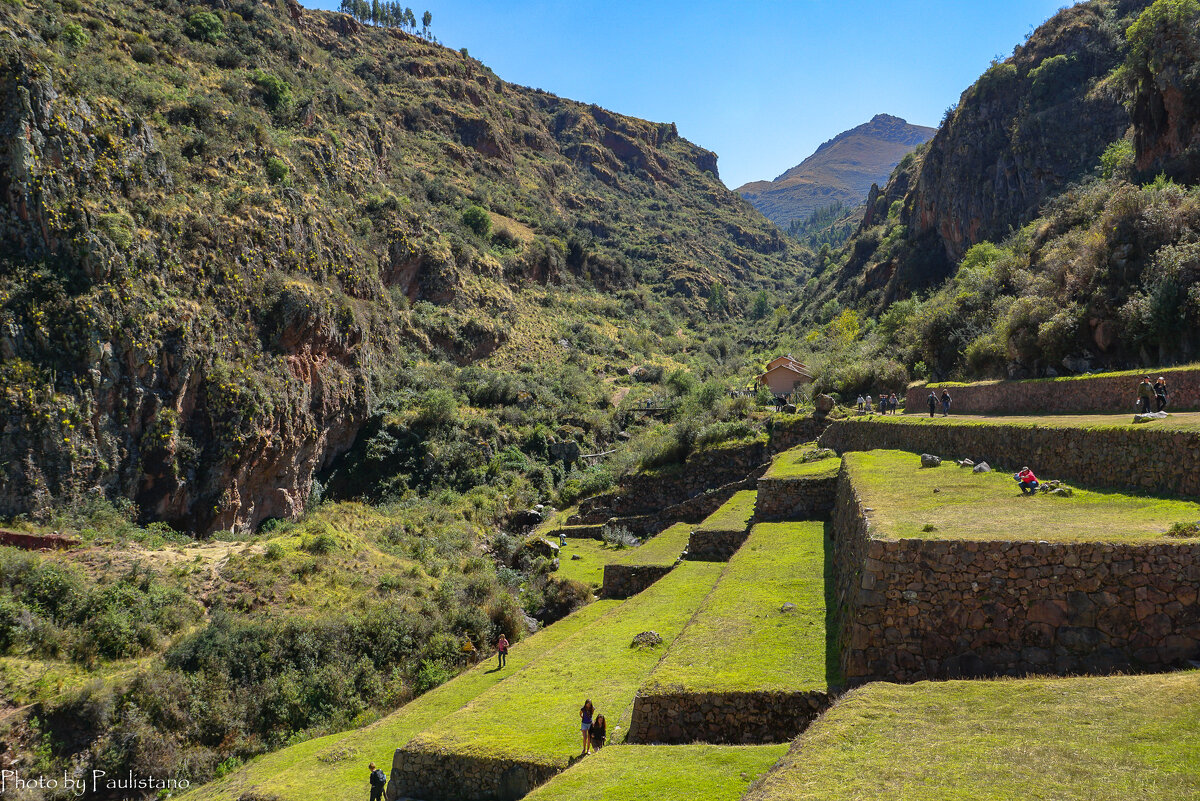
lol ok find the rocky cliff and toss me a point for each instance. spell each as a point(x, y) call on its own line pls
point(224, 224)
point(841, 170)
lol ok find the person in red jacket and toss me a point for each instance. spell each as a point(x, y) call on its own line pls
point(1027, 481)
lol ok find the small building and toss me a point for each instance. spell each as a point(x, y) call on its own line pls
point(784, 375)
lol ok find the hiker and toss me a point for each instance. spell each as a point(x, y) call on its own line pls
point(1145, 394)
point(585, 725)
point(932, 403)
point(378, 782)
point(883, 403)
point(945, 403)
point(860, 403)
point(868, 404)
point(562, 539)
point(501, 651)
point(895, 403)
point(1027, 481)
point(1160, 394)
point(598, 731)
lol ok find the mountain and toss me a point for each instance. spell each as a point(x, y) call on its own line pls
point(228, 226)
point(840, 171)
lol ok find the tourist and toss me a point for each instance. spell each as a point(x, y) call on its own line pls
point(945, 403)
point(585, 725)
point(1145, 394)
point(501, 651)
point(598, 731)
point(378, 782)
point(1160, 394)
point(860, 403)
point(562, 539)
point(1027, 481)
point(883, 403)
point(868, 404)
point(932, 403)
point(895, 403)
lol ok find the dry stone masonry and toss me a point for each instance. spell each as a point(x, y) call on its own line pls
point(731, 718)
point(625, 581)
point(449, 776)
point(795, 498)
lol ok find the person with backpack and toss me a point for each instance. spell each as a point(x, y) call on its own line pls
point(932, 403)
point(599, 731)
point(1160, 394)
point(945, 403)
point(585, 725)
point(501, 651)
point(1145, 394)
point(378, 782)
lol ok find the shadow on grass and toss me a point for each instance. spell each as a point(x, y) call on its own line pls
point(833, 671)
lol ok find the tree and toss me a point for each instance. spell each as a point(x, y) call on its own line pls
point(718, 299)
point(477, 220)
point(376, 12)
point(761, 307)
point(426, 19)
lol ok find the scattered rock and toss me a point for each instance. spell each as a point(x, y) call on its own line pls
point(576, 557)
point(647, 639)
point(929, 460)
point(937, 489)
point(823, 404)
point(982, 467)
point(965, 463)
point(788, 607)
point(1148, 417)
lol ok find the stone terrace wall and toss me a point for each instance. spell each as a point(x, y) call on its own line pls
point(624, 581)
point(445, 776)
point(1102, 393)
point(934, 609)
point(692, 510)
point(729, 718)
point(1152, 459)
point(791, 431)
point(795, 498)
point(715, 546)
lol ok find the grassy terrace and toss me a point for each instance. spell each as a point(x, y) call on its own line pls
point(740, 640)
point(661, 549)
point(1178, 421)
point(989, 506)
point(791, 464)
point(324, 768)
point(1080, 739)
point(535, 715)
point(662, 773)
point(734, 514)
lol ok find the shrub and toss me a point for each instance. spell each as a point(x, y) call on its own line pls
point(74, 35)
point(277, 93)
point(277, 170)
point(119, 228)
point(204, 26)
point(1117, 159)
point(477, 220)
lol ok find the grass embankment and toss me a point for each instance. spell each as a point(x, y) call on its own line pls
point(990, 506)
point(741, 640)
point(1177, 421)
point(1080, 739)
point(662, 773)
point(791, 464)
point(734, 514)
point(661, 549)
point(333, 766)
point(536, 715)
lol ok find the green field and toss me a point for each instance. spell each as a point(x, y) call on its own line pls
point(535, 716)
point(1082, 739)
point(661, 549)
point(740, 640)
point(662, 773)
point(1178, 421)
point(335, 766)
point(990, 506)
point(791, 464)
point(734, 514)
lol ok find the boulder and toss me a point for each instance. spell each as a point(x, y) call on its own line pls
point(1148, 417)
point(647, 639)
point(929, 460)
point(982, 467)
point(788, 607)
point(965, 463)
point(823, 404)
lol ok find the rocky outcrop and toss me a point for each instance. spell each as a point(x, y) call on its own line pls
point(1166, 92)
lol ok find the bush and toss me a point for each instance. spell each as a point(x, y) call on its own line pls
point(277, 170)
point(477, 220)
point(74, 35)
point(119, 228)
point(204, 26)
point(277, 94)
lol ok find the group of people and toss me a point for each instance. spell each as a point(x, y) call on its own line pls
point(594, 728)
point(1156, 392)
point(934, 400)
point(887, 404)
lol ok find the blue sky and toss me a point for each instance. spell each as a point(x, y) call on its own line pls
point(761, 83)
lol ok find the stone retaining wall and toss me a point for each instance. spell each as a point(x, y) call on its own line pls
point(728, 718)
point(795, 498)
point(788, 432)
point(693, 510)
point(446, 776)
point(714, 546)
point(1143, 458)
point(909, 610)
point(1101, 393)
point(624, 581)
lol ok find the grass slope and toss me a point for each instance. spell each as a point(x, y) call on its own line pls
point(1178, 421)
point(661, 549)
point(989, 506)
point(662, 773)
point(740, 640)
point(791, 464)
point(326, 767)
point(1079, 739)
point(734, 514)
point(536, 716)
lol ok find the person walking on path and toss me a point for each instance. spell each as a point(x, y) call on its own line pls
point(945, 403)
point(860, 403)
point(378, 782)
point(868, 406)
point(895, 403)
point(585, 725)
point(1145, 394)
point(1027, 481)
point(932, 403)
point(1160, 394)
point(501, 651)
point(599, 731)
